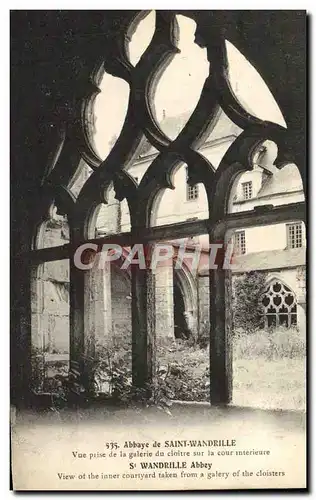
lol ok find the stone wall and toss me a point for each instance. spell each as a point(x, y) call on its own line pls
point(50, 307)
point(109, 215)
point(121, 302)
point(164, 301)
point(50, 291)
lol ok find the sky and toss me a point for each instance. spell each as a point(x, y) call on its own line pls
point(180, 85)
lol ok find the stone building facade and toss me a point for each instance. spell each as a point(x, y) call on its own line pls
point(181, 295)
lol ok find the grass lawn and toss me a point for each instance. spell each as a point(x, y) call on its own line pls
point(269, 384)
point(257, 381)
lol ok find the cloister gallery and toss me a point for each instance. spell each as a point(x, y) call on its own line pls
point(114, 150)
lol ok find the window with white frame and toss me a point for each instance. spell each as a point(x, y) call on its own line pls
point(247, 190)
point(192, 191)
point(240, 243)
point(294, 235)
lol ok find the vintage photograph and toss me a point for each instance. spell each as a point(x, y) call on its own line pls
point(158, 250)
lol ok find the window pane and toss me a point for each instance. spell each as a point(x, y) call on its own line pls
point(295, 235)
point(271, 320)
point(284, 320)
point(192, 192)
point(240, 243)
point(247, 190)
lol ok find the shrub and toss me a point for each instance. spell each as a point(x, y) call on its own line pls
point(204, 335)
point(182, 373)
point(112, 367)
point(184, 385)
point(247, 290)
point(188, 371)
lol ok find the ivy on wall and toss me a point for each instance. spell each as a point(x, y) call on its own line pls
point(247, 290)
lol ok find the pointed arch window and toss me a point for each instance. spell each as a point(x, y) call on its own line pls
point(279, 306)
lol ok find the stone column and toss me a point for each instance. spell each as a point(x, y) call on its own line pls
point(164, 301)
point(76, 323)
point(220, 329)
point(203, 305)
point(98, 303)
point(301, 317)
point(37, 306)
point(301, 299)
point(90, 317)
point(143, 328)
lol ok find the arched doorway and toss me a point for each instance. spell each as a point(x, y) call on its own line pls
point(181, 328)
point(184, 305)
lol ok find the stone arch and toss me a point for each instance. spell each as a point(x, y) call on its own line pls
point(188, 288)
point(184, 281)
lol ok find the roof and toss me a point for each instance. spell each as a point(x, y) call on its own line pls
point(172, 126)
point(286, 180)
point(223, 128)
point(266, 261)
point(271, 259)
